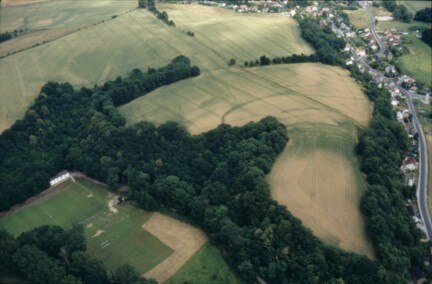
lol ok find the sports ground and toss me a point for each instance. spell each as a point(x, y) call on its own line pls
point(155, 244)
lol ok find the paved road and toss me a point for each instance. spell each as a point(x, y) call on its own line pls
point(422, 194)
point(423, 165)
point(373, 30)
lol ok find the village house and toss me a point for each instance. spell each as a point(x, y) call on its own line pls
point(409, 164)
point(390, 70)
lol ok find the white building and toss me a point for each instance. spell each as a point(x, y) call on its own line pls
point(59, 179)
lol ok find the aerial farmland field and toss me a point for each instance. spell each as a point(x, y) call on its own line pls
point(300, 95)
point(155, 244)
point(320, 105)
point(134, 40)
point(109, 229)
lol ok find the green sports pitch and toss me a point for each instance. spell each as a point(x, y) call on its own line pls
point(114, 234)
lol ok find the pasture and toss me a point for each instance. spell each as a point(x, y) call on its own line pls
point(418, 62)
point(359, 18)
point(413, 6)
point(134, 40)
point(303, 96)
point(401, 26)
point(206, 266)
point(116, 234)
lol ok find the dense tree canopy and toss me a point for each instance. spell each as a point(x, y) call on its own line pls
point(216, 178)
point(427, 36)
point(400, 12)
point(5, 36)
point(424, 15)
point(381, 147)
point(50, 254)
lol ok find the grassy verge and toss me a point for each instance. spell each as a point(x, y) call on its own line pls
point(206, 266)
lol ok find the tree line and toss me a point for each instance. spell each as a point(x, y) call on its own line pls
point(400, 12)
point(216, 178)
point(5, 36)
point(427, 36)
point(326, 44)
point(151, 6)
point(29, 139)
point(381, 148)
point(50, 254)
point(424, 15)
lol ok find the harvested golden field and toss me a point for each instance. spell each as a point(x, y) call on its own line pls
point(135, 40)
point(320, 106)
point(317, 178)
point(292, 93)
point(184, 239)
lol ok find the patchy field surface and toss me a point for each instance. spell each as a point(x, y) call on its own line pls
point(413, 6)
point(114, 234)
point(64, 13)
point(206, 266)
point(292, 93)
point(401, 26)
point(359, 18)
point(239, 36)
point(418, 63)
point(316, 102)
point(133, 40)
point(183, 238)
point(317, 178)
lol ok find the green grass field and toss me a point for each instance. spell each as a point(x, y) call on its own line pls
point(418, 63)
point(206, 266)
point(114, 238)
point(413, 6)
point(359, 18)
point(401, 26)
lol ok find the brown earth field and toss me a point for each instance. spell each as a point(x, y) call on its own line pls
point(184, 239)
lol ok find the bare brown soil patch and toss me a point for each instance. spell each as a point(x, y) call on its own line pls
point(184, 239)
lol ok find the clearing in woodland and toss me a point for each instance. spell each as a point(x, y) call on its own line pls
point(303, 96)
point(116, 234)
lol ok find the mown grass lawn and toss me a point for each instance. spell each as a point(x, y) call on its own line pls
point(115, 237)
point(418, 62)
point(206, 266)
